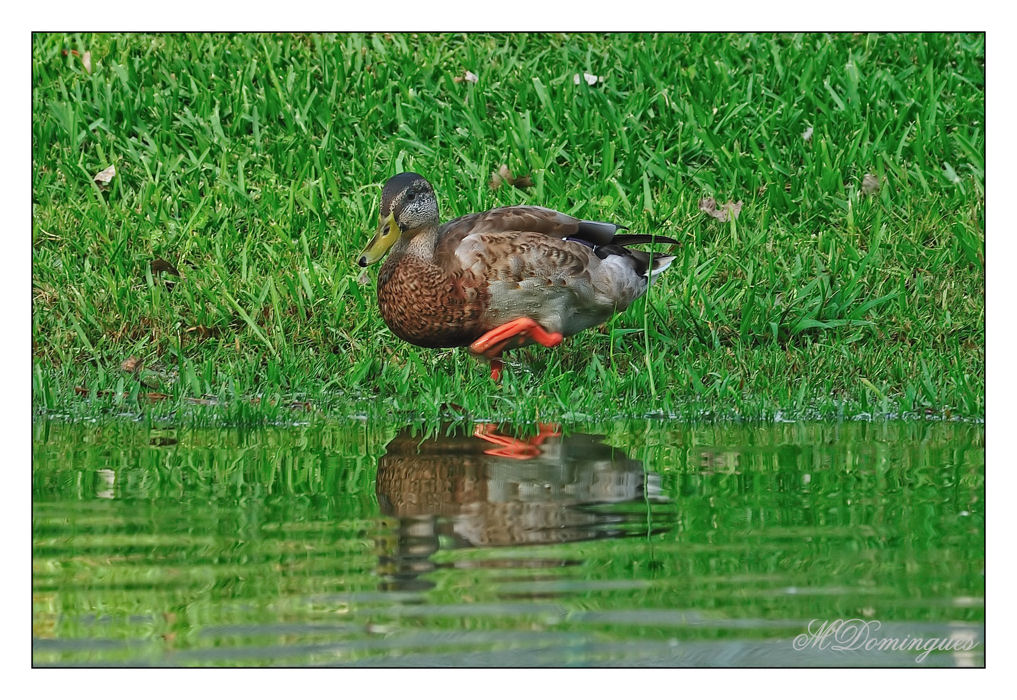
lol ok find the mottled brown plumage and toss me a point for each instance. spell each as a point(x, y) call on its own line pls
point(455, 303)
point(447, 285)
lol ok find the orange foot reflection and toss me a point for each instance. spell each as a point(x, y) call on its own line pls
point(514, 448)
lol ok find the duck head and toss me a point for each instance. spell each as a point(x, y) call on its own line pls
point(408, 206)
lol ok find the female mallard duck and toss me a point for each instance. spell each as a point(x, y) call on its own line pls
point(502, 278)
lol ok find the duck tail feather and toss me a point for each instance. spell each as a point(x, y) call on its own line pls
point(636, 238)
point(597, 232)
point(660, 263)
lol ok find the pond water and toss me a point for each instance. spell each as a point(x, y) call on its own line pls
point(623, 544)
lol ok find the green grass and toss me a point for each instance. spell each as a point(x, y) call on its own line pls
point(252, 164)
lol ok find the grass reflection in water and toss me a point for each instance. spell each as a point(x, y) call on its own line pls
point(659, 544)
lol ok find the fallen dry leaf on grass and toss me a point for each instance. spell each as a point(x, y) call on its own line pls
point(159, 265)
point(132, 364)
point(202, 332)
point(590, 78)
point(469, 77)
point(870, 184)
point(504, 175)
point(102, 179)
point(723, 212)
point(86, 58)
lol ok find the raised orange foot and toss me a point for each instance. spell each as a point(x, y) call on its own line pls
point(511, 335)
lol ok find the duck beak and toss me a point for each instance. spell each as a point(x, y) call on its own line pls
point(386, 236)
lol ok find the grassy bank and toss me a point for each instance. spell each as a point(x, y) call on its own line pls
point(221, 254)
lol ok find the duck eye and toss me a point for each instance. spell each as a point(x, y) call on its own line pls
point(410, 197)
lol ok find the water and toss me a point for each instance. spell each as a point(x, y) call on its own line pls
point(625, 544)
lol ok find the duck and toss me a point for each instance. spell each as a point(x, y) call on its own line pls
point(502, 278)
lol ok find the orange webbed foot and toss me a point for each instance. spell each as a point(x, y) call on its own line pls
point(512, 335)
point(496, 366)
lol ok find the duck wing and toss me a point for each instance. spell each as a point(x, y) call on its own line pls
point(565, 273)
point(540, 220)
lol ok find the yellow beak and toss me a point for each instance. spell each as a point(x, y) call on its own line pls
point(387, 235)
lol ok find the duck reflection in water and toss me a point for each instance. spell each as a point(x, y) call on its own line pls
point(482, 487)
